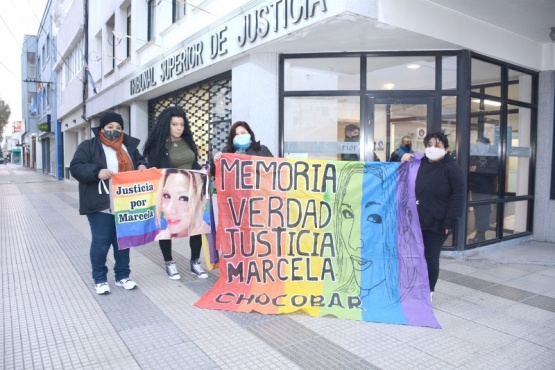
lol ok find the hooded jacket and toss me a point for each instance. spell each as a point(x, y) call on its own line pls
point(88, 160)
point(439, 191)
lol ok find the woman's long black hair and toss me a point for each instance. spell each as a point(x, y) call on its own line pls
point(155, 146)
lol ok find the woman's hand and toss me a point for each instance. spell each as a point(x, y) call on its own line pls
point(407, 157)
point(105, 174)
point(217, 156)
point(141, 167)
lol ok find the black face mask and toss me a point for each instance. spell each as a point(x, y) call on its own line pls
point(111, 134)
point(408, 146)
point(353, 138)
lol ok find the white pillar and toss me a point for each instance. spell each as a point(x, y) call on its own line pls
point(255, 96)
point(138, 121)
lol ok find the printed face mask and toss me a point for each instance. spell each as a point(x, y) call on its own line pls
point(434, 154)
point(242, 141)
point(111, 134)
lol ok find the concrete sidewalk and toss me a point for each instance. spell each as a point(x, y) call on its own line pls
point(497, 308)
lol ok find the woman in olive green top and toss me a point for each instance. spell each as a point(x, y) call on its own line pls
point(170, 144)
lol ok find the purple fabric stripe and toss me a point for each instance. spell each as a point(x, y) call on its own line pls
point(413, 271)
point(136, 240)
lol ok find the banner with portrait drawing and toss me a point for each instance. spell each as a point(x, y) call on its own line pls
point(162, 204)
point(323, 237)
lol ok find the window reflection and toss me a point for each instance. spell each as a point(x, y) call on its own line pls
point(318, 127)
point(515, 218)
point(306, 74)
point(401, 73)
point(518, 151)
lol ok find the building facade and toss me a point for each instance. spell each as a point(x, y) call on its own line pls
point(300, 72)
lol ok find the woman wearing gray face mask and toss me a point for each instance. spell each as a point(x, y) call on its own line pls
point(439, 189)
point(93, 164)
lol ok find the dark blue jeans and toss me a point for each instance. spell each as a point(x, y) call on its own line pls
point(103, 235)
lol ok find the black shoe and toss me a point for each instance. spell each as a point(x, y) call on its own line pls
point(479, 237)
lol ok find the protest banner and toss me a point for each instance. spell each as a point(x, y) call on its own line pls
point(162, 204)
point(323, 237)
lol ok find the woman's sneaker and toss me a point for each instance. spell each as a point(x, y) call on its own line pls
point(102, 288)
point(126, 284)
point(171, 270)
point(197, 269)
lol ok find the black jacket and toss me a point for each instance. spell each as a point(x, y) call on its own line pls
point(439, 194)
point(87, 162)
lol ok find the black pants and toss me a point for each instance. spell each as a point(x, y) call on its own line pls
point(195, 242)
point(432, 249)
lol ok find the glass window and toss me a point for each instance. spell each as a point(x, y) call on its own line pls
point(128, 33)
point(151, 29)
point(520, 86)
point(481, 223)
point(179, 9)
point(518, 151)
point(449, 73)
point(449, 121)
point(515, 218)
point(486, 78)
point(322, 74)
point(401, 73)
point(315, 127)
point(31, 65)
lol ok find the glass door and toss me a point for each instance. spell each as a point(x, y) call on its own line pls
point(397, 124)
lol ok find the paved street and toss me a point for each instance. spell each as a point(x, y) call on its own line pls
point(497, 309)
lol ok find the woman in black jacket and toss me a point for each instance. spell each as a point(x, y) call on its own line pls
point(170, 144)
point(439, 191)
point(94, 162)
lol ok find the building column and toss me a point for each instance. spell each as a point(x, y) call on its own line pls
point(138, 121)
point(255, 90)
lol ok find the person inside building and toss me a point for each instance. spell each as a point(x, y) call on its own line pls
point(439, 191)
point(352, 135)
point(482, 182)
point(93, 164)
point(404, 148)
point(170, 144)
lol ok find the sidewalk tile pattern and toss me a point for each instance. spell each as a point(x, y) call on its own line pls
point(495, 314)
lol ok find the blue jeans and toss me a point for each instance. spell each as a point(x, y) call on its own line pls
point(103, 233)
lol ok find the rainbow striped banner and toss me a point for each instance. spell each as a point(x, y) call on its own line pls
point(162, 204)
point(323, 237)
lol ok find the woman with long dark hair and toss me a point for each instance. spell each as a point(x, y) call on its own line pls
point(170, 144)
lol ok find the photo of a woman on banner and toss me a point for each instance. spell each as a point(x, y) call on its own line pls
point(181, 203)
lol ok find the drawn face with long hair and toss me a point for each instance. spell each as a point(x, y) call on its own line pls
point(175, 203)
point(359, 225)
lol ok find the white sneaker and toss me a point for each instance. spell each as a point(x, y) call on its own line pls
point(171, 270)
point(102, 288)
point(431, 296)
point(197, 269)
point(126, 284)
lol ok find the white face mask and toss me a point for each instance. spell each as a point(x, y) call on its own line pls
point(434, 154)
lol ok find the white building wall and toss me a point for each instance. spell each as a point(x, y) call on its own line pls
point(255, 96)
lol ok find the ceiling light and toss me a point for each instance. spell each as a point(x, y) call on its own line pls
point(413, 66)
point(389, 86)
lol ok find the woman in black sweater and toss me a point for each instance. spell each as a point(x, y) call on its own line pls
point(439, 198)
